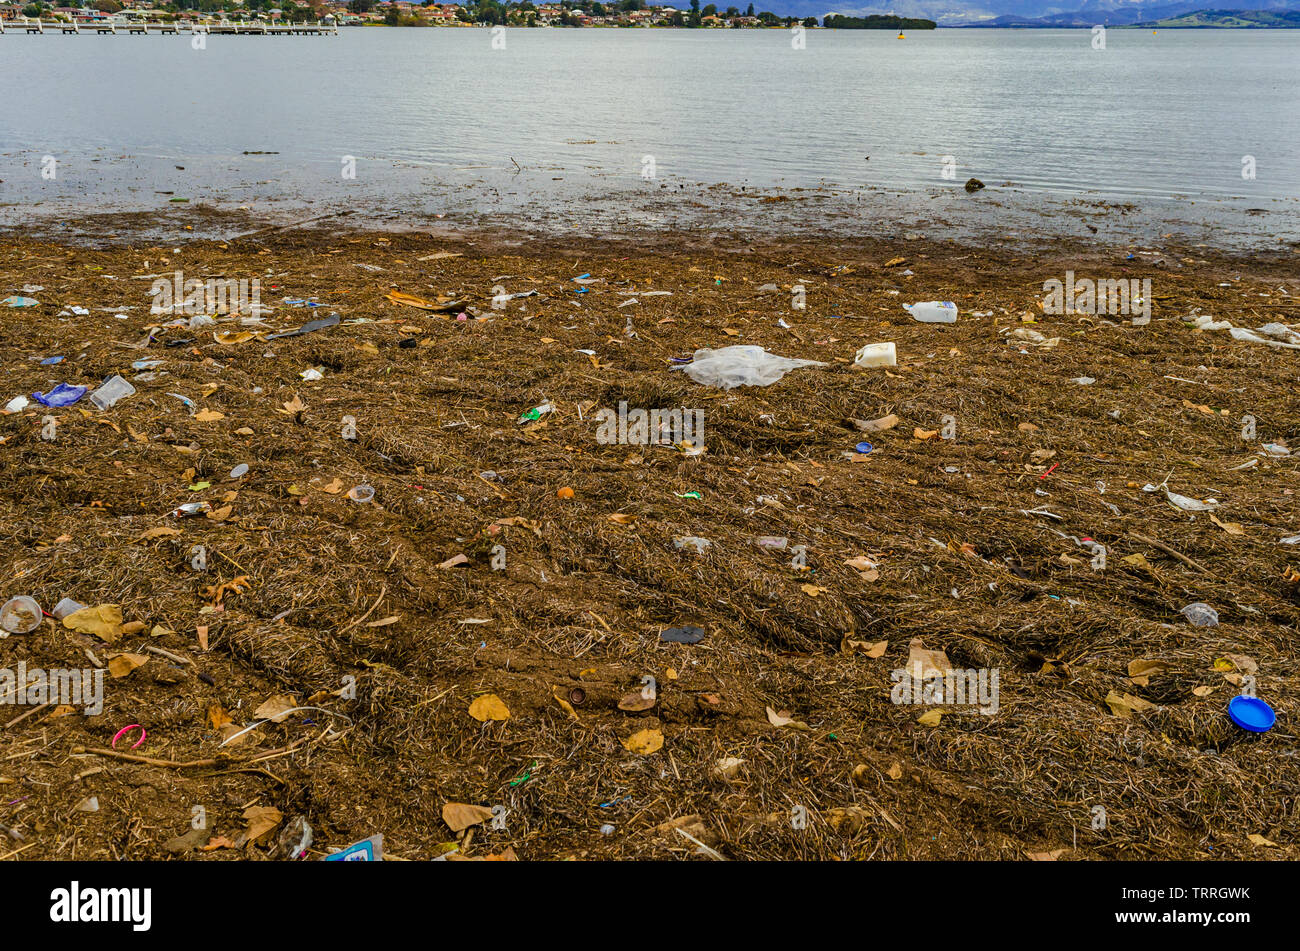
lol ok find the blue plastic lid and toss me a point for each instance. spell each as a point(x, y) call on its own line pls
point(1251, 713)
point(864, 447)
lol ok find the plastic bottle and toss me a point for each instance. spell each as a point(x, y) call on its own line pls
point(877, 355)
point(1201, 614)
point(114, 389)
point(933, 311)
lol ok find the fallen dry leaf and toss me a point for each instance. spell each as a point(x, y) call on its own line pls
point(1125, 705)
point(276, 708)
point(923, 664)
point(218, 717)
point(636, 701)
point(1051, 856)
point(103, 621)
point(123, 664)
point(261, 821)
point(160, 532)
point(864, 566)
point(1232, 528)
point(784, 719)
point(728, 767)
point(459, 816)
point(488, 707)
point(644, 742)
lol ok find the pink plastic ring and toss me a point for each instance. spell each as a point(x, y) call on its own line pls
point(134, 726)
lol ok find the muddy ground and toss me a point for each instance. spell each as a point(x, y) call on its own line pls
point(979, 546)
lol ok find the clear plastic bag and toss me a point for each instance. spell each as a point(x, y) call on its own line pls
point(742, 366)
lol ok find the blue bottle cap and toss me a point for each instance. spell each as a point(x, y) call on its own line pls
point(1251, 713)
point(865, 447)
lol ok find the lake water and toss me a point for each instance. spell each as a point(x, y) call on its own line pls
point(436, 120)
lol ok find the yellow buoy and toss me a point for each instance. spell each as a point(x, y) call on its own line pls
point(901, 36)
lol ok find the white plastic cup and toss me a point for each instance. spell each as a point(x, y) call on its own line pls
point(20, 615)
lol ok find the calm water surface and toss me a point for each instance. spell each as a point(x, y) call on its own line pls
point(438, 118)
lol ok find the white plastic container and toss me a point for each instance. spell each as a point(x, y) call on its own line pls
point(933, 311)
point(20, 615)
point(877, 355)
point(114, 389)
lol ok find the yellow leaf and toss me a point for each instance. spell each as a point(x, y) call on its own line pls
point(123, 664)
point(1125, 705)
point(1257, 839)
point(208, 416)
point(930, 718)
point(488, 707)
point(231, 337)
point(924, 434)
point(622, 518)
point(1232, 528)
point(812, 590)
point(1137, 561)
point(895, 771)
point(276, 708)
point(923, 664)
point(850, 646)
point(162, 532)
point(459, 816)
point(865, 567)
point(104, 621)
point(218, 717)
point(644, 742)
point(782, 719)
point(564, 704)
point(295, 405)
point(1144, 668)
point(261, 821)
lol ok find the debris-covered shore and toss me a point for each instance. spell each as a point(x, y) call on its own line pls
point(476, 657)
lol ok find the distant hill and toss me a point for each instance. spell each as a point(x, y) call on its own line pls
point(1026, 13)
point(836, 22)
point(1169, 18)
point(1231, 19)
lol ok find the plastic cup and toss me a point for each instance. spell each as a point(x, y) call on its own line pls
point(20, 615)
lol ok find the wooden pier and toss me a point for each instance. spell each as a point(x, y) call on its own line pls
point(145, 28)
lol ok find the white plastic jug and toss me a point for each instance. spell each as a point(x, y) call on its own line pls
point(933, 311)
point(876, 355)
